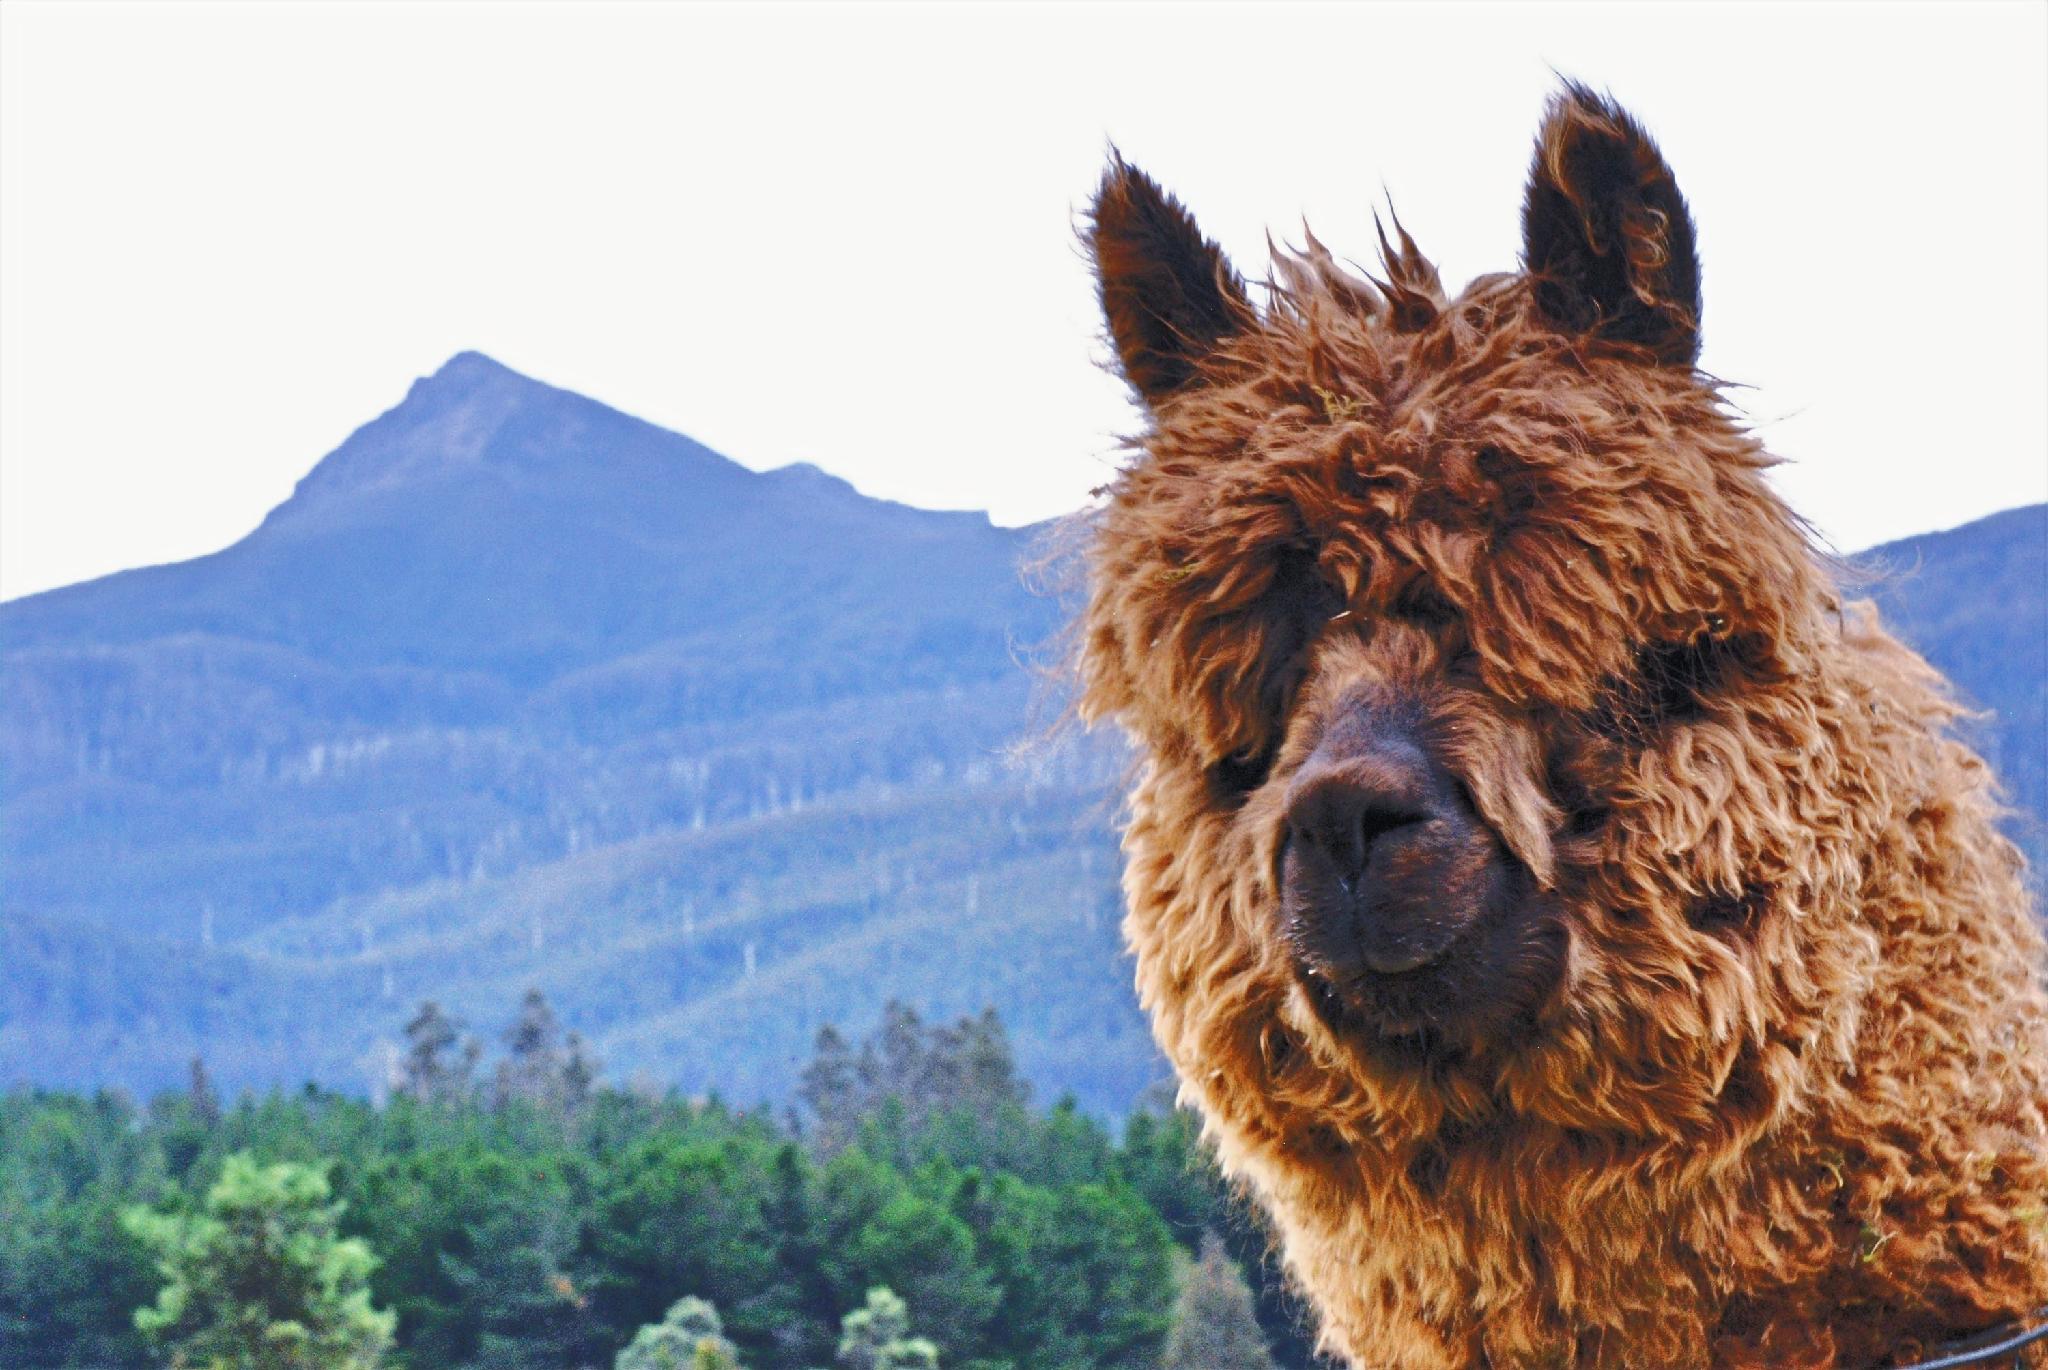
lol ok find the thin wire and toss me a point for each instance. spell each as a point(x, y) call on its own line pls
point(1983, 1354)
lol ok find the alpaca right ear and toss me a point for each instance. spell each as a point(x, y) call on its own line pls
point(1607, 239)
point(1168, 292)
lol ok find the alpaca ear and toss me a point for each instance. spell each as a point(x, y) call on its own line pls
point(1606, 238)
point(1167, 291)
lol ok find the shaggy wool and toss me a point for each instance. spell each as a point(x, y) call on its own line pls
point(1764, 1081)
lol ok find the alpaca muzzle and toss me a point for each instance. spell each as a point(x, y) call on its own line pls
point(1384, 865)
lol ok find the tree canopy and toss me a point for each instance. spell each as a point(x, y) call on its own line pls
point(543, 1227)
point(258, 1279)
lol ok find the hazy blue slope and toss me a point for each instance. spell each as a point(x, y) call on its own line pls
point(404, 739)
point(1974, 601)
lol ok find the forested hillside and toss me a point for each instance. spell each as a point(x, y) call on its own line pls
point(518, 690)
point(507, 1210)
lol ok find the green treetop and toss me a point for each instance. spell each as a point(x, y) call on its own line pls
point(259, 1280)
point(877, 1337)
point(689, 1337)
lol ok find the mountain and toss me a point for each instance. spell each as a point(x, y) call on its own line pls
point(1974, 601)
point(516, 689)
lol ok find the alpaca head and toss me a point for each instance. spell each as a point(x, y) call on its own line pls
point(1477, 672)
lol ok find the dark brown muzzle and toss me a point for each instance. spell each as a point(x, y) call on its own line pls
point(1384, 862)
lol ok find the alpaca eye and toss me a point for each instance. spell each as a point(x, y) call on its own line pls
point(1421, 605)
point(1505, 471)
point(1237, 776)
point(1677, 679)
point(1299, 603)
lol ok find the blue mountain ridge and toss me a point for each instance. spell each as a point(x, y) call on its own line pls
point(517, 689)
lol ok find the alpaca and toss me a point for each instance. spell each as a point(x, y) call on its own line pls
point(1576, 925)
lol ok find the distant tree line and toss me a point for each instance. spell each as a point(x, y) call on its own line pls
point(913, 1210)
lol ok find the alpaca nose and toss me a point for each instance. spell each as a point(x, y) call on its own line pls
point(1343, 808)
point(1381, 857)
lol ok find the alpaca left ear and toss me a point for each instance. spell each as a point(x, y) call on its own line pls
point(1607, 239)
point(1168, 293)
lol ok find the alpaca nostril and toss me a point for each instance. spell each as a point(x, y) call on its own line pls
point(1341, 819)
point(1354, 856)
point(1374, 824)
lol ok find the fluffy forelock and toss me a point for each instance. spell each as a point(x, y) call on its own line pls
point(1570, 502)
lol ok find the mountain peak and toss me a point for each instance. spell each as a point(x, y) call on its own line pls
point(467, 376)
point(446, 421)
point(476, 418)
point(477, 422)
point(464, 374)
point(470, 362)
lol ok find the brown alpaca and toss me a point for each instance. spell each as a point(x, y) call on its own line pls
point(1577, 927)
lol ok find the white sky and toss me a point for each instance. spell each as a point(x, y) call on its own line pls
point(231, 233)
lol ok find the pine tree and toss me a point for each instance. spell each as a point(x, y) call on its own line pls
point(987, 1072)
point(259, 1280)
point(877, 1337)
point(896, 1060)
point(688, 1337)
point(1214, 1324)
point(830, 1092)
point(518, 1277)
point(205, 1099)
point(439, 1063)
point(580, 1073)
point(533, 1066)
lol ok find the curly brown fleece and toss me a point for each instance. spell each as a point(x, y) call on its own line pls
point(1779, 1095)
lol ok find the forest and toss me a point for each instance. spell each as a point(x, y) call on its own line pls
point(912, 1207)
